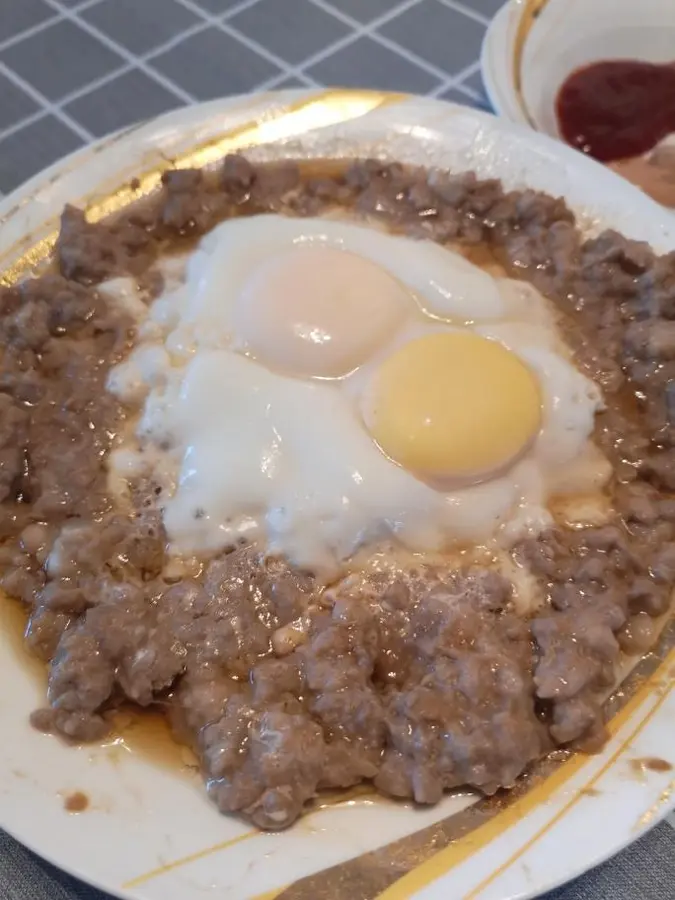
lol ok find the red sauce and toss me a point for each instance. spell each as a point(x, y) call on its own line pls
point(617, 109)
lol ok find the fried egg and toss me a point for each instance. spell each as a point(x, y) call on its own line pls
point(320, 386)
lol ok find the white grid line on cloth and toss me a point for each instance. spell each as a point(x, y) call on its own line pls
point(220, 22)
point(370, 30)
point(131, 60)
point(48, 106)
point(66, 11)
point(357, 30)
point(29, 32)
point(458, 83)
point(93, 85)
point(143, 61)
point(469, 92)
point(255, 46)
point(232, 11)
point(252, 44)
point(360, 30)
point(24, 123)
point(466, 9)
point(79, 7)
point(397, 6)
point(275, 80)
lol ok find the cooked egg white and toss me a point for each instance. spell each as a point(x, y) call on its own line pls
point(240, 256)
point(320, 387)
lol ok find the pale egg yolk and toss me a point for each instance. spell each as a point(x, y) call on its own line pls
point(453, 407)
point(317, 311)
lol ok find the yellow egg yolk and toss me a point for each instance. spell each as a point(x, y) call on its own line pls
point(453, 407)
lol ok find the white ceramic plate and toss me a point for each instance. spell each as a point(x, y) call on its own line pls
point(149, 832)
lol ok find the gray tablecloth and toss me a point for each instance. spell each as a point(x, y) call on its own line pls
point(73, 70)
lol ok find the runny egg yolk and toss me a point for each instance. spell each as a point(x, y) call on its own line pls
point(453, 407)
point(317, 311)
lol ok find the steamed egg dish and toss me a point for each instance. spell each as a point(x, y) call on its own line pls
point(320, 386)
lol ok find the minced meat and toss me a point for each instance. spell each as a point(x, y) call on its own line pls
point(420, 682)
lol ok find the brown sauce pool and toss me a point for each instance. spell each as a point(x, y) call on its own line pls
point(145, 732)
point(13, 619)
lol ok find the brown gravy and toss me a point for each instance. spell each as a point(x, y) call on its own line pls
point(147, 733)
point(651, 764)
point(13, 619)
point(76, 802)
point(143, 732)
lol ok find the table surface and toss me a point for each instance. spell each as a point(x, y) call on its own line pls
point(74, 70)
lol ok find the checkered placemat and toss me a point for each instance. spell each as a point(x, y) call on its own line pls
point(73, 70)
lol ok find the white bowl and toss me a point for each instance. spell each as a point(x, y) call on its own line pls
point(531, 47)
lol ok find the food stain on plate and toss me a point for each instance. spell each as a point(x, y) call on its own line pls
point(591, 792)
point(76, 802)
point(646, 764)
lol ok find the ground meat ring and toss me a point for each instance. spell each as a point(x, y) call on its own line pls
point(400, 688)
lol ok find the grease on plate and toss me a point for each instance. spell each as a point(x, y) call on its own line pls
point(76, 802)
point(650, 764)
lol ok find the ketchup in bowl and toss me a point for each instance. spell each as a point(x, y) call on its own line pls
point(617, 109)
